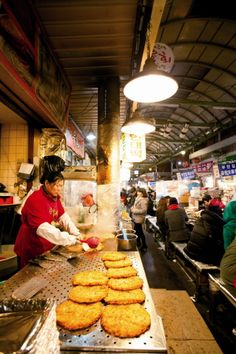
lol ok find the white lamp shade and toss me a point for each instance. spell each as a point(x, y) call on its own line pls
point(138, 125)
point(138, 128)
point(150, 88)
point(150, 85)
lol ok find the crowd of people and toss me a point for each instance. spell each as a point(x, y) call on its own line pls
point(210, 240)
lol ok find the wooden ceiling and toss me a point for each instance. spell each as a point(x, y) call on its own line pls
point(97, 39)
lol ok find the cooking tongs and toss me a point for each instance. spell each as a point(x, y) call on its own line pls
point(60, 250)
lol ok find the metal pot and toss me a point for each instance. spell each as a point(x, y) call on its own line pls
point(125, 231)
point(127, 242)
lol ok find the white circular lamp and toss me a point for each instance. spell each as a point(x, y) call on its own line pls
point(150, 85)
point(138, 125)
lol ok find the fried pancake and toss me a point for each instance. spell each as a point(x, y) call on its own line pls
point(124, 272)
point(113, 256)
point(130, 283)
point(118, 264)
point(125, 321)
point(77, 248)
point(119, 297)
point(72, 316)
point(90, 277)
point(87, 294)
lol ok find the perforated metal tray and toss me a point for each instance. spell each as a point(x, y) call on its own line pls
point(94, 338)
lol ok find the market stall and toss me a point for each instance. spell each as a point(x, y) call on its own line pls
point(55, 284)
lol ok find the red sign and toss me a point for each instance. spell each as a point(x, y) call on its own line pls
point(204, 167)
point(74, 138)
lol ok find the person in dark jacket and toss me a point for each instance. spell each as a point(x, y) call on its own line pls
point(132, 194)
point(160, 213)
point(206, 241)
point(175, 219)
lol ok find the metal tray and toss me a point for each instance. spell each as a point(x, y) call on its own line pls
point(94, 338)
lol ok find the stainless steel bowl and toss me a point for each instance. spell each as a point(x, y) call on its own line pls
point(125, 231)
point(127, 242)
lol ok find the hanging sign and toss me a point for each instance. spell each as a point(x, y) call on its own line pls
point(204, 167)
point(133, 148)
point(187, 174)
point(163, 57)
point(227, 169)
point(74, 138)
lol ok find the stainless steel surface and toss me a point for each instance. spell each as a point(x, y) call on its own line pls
point(93, 338)
point(127, 242)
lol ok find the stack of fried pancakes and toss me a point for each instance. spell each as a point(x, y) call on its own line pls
point(119, 287)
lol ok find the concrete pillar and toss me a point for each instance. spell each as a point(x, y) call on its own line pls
point(108, 155)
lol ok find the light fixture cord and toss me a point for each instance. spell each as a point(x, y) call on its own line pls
point(148, 40)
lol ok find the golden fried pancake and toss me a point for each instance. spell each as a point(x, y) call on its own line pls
point(87, 294)
point(124, 272)
point(113, 256)
point(130, 283)
point(90, 277)
point(119, 297)
point(125, 321)
point(118, 264)
point(75, 248)
point(72, 316)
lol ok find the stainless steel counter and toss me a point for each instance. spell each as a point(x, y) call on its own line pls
point(58, 278)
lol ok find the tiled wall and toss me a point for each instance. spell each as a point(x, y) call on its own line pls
point(13, 151)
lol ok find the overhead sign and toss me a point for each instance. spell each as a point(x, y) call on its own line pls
point(204, 167)
point(227, 169)
point(163, 57)
point(74, 138)
point(133, 147)
point(187, 174)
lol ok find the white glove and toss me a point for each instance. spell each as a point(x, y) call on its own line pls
point(68, 224)
point(54, 235)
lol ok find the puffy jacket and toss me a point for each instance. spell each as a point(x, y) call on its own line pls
point(139, 209)
point(230, 223)
point(206, 240)
point(228, 264)
point(175, 220)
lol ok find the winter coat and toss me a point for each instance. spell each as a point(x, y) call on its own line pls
point(175, 220)
point(139, 209)
point(228, 265)
point(230, 223)
point(206, 240)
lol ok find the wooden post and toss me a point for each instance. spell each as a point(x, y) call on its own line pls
point(108, 153)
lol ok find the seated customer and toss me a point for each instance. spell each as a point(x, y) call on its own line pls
point(160, 213)
point(206, 240)
point(175, 220)
point(228, 265)
point(230, 223)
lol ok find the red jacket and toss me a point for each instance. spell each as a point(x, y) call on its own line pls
point(38, 209)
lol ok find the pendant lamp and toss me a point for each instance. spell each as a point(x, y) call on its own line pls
point(138, 125)
point(150, 85)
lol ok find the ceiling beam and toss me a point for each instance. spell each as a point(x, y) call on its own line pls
point(213, 147)
point(176, 102)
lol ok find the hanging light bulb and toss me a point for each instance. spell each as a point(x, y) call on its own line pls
point(138, 125)
point(150, 85)
point(91, 136)
point(185, 128)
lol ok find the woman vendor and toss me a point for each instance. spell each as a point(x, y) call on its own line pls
point(43, 218)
